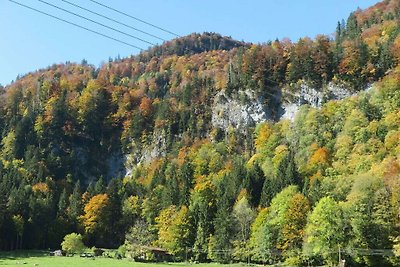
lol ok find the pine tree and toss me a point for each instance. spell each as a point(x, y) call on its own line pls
point(62, 204)
point(75, 208)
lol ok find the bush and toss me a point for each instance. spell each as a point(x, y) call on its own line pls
point(73, 243)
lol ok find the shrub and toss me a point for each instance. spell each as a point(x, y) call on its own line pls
point(72, 243)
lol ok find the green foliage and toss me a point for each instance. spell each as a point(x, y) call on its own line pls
point(73, 243)
point(244, 216)
point(325, 231)
point(137, 239)
point(371, 217)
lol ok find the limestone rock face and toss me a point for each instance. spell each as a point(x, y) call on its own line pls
point(311, 96)
point(240, 111)
point(156, 147)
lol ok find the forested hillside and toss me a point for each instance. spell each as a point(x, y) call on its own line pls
point(184, 147)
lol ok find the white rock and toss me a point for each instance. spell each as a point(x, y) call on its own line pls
point(239, 114)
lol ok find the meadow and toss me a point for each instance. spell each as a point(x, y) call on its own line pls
point(42, 259)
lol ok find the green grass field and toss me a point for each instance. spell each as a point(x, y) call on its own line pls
point(41, 259)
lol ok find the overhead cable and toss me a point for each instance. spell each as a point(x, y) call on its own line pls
point(113, 20)
point(76, 25)
point(93, 21)
point(135, 18)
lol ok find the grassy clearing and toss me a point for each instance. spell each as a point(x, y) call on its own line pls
point(41, 259)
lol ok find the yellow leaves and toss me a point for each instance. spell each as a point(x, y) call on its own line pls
point(254, 159)
point(392, 120)
point(182, 154)
point(388, 168)
point(392, 142)
point(92, 85)
point(131, 206)
point(94, 212)
point(242, 194)
point(206, 159)
point(343, 146)
point(39, 126)
point(40, 188)
point(173, 228)
point(372, 36)
point(64, 84)
point(281, 152)
point(320, 157)
point(202, 184)
point(8, 145)
point(396, 247)
point(263, 134)
point(318, 162)
point(14, 163)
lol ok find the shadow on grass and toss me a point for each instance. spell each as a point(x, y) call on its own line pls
point(20, 254)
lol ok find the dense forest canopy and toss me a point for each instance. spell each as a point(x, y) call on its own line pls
point(129, 156)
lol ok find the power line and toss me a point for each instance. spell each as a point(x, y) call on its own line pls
point(76, 25)
point(135, 18)
point(113, 20)
point(93, 21)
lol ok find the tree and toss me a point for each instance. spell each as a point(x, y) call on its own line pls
point(202, 208)
point(8, 145)
point(185, 176)
point(62, 204)
point(396, 247)
point(325, 230)
point(293, 228)
point(94, 211)
point(131, 209)
point(75, 208)
point(96, 219)
point(253, 183)
point(243, 216)
point(267, 234)
point(174, 230)
point(257, 243)
point(371, 218)
point(220, 243)
point(137, 239)
point(18, 221)
point(115, 233)
point(73, 243)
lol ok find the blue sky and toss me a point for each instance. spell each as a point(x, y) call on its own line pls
point(30, 41)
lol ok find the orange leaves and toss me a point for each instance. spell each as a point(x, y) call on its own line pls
point(318, 162)
point(320, 156)
point(95, 212)
point(296, 219)
point(146, 106)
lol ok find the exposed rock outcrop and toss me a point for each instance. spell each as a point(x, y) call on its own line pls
point(307, 95)
point(142, 154)
point(240, 111)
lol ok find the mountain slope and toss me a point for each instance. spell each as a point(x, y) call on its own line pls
point(193, 133)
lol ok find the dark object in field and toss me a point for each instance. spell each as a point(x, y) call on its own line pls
point(98, 252)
